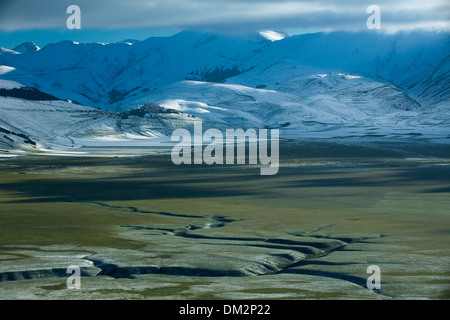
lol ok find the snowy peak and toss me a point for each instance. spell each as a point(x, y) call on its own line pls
point(27, 47)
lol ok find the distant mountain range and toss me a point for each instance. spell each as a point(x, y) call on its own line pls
point(322, 85)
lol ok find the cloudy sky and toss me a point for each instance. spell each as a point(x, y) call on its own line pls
point(44, 21)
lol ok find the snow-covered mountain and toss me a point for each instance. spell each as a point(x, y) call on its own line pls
point(324, 84)
point(104, 75)
point(31, 120)
point(26, 47)
point(108, 75)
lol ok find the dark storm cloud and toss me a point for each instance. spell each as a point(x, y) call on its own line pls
point(224, 15)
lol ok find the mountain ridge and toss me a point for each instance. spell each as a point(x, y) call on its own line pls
point(337, 84)
point(155, 62)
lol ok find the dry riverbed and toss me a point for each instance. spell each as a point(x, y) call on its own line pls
point(143, 228)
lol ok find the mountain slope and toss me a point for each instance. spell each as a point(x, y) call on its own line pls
point(360, 108)
point(50, 124)
point(102, 75)
point(418, 63)
point(339, 84)
point(106, 76)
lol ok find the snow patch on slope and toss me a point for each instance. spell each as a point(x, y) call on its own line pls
point(5, 84)
point(272, 35)
point(5, 69)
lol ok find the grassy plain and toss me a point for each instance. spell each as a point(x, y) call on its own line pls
point(143, 228)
